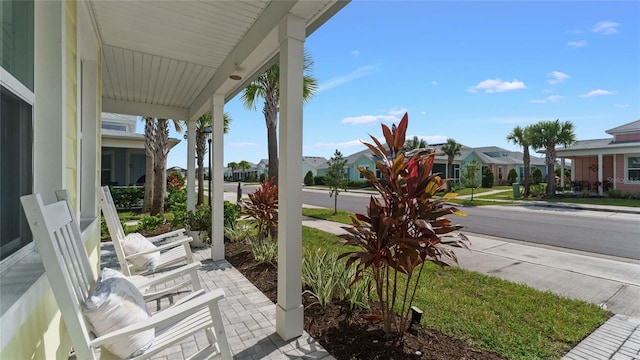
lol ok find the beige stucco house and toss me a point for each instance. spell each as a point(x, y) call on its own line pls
point(65, 62)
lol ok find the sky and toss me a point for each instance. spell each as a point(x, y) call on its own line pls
point(467, 70)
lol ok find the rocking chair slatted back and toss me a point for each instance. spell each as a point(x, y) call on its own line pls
point(114, 226)
point(66, 263)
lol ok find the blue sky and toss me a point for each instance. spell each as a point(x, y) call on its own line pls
point(470, 71)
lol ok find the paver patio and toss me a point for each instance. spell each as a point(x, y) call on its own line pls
point(248, 315)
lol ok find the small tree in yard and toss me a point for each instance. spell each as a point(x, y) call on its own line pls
point(336, 178)
point(536, 176)
point(403, 230)
point(308, 178)
point(470, 176)
point(487, 178)
point(512, 177)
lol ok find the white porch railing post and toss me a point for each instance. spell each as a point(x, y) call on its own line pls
point(217, 178)
point(289, 311)
point(191, 167)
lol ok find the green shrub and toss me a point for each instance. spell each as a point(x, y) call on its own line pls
point(536, 176)
point(487, 178)
point(231, 213)
point(320, 180)
point(512, 176)
point(127, 197)
point(263, 177)
point(176, 200)
point(239, 232)
point(308, 179)
point(150, 223)
point(264, 250)
point(358, 184)
point(330, 283)
point(615, 194)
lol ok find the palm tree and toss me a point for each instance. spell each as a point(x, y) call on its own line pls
point(232, 165)
point(267, 87)
point(149, 149)
point(520, 136)
point(203, 129)
point(452, 149)
point(546, 135)
point(161, 137)
point(414, 143)
point(244, 165)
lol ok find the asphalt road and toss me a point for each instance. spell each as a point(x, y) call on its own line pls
point(606, 233)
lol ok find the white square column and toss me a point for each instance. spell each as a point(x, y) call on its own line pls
point(289, 311)
point(600, 174)
point(191, 166)
point(217, 178)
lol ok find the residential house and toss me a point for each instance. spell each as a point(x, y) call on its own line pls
point(498, 159)
point(312, 163)
point(65, 62)
point(123, 159)
point(610, 163)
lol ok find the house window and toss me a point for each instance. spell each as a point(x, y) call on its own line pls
point(114, 127)
point(363, 167)
point(633, 168)
point(16, 122)
point(16, 177)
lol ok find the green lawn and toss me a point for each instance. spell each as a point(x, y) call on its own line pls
point(514, 320)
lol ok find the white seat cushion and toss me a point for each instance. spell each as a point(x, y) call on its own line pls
point(135, 243)
point(114, 304)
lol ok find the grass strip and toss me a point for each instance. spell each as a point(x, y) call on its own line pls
point(511, 319)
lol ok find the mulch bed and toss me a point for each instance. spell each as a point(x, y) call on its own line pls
point(345, 334)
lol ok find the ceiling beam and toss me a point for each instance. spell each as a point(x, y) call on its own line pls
point(144, 109)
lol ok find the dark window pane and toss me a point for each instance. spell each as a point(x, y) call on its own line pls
point(16, 19)
point(16, 176)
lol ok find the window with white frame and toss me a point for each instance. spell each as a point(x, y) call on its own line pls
point(16, 122)
point(632, 168)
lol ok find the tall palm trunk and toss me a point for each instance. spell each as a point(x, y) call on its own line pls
point(526, 158)
point(551, 178)
point(200, 150)
point(149, 149)
point(160, 166)
point(271, 118)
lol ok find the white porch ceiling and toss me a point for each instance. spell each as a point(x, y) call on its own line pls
point(167, 58)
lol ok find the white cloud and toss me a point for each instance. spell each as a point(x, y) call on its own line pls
point(552, 98)
point(341, 145)
point(397, 112)
point(577, 44)
point(497, 85)
point(434, 82)
point(596, 92)
point(556, 77)
point(369, 119)
point(423, 113)
point(575, 31)
point(606, 27)
point(357, 73)
point(621, 105)
point(355, 53)
point(430, 139)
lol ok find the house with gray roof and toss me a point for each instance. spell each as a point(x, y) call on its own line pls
point(123, 157)
point(608, 163)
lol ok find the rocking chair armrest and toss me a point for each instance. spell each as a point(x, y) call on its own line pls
point(164, 317)
point(173, 244)
point(178, 232)
point(163, 277)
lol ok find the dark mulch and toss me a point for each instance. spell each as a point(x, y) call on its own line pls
point(345, 334)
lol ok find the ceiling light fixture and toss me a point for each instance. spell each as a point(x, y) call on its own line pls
point(235, 77)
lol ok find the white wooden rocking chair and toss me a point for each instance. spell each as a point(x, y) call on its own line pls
point(68, 269)
point(170, 281)
point(175, 251)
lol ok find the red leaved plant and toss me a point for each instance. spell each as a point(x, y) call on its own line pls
point(263, 207)
point(404, 230)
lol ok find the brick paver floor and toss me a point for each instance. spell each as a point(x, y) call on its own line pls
point(617, 339)
point(248, 315)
